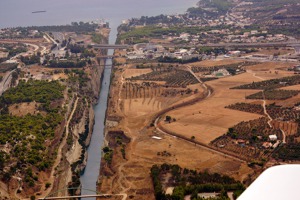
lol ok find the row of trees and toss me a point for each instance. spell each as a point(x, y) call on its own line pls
point(66, 64)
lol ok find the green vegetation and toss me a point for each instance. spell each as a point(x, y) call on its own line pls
point(66, 64)
point(15, 51)
point(26, 136)
point(272, 83)
point(97, 38)
point(274, 94)
point(108, 154)
point(198, 11)
point(190, 182)
point(173, 76)
point(288, 152)
point(167, 59)
point(39, 91)
point(80, 27)
point(158, 19)
point(29, 60)
point(247, 107)
point(158, 32)
point(168, 118)
point(85, 53)
point(4, 67)
point(221, 5)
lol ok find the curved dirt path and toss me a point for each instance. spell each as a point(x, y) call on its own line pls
point(59, 152)
point(266, 113)
point(208, 92)
point(265, 109)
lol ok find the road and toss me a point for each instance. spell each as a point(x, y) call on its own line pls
point(59, 151)
point(208, 92)
point(50, 38)
point(110, 46)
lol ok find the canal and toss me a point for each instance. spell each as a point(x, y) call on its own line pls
point(90, 176)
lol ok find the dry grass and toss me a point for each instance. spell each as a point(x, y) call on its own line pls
point(209, 119)
point(272, 51)
point(23, 109)
point(212, 63)
point(135, 72)
point(60, 76)
point(271, 66)
point(140, 107)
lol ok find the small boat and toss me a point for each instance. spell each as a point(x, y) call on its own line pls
point(39, 11)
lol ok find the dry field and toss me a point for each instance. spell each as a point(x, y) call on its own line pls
point(59, 76)
point(209, 119)
point(23, 109)
point(135, 72)
point(206, 120)
point(212, 63)
point(120, 53)
point(143, 152)
point(159, 41)
point(269, 68)
point(272, 51)
point(132, 175)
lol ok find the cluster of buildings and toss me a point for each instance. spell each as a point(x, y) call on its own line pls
point(150, 51)
point(272, 142)
point(227, 36)
point(254, 36)
point(18, 33)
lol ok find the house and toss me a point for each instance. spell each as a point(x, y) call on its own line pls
point(254, 32)
point(272, 137)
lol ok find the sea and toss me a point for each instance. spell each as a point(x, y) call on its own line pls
point(15, 13)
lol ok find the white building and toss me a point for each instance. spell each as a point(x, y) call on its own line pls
point(272, 137)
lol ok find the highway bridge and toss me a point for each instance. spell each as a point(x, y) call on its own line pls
point(108, 57)
point(110, 46)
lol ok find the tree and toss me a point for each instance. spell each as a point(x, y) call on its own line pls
point(193, 138)
point(168, 118)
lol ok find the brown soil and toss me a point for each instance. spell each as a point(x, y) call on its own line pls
point(23, 109)
point(212, 63)
point(209, 119)
point(131, 175)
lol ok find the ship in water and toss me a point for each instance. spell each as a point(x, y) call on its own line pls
point(39, 11)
